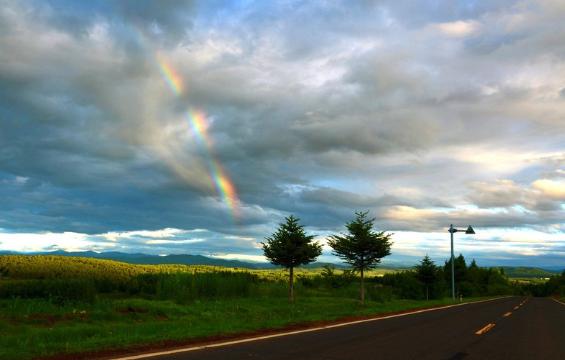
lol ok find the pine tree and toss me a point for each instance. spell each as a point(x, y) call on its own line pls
point(289, 246)
point(460, 266)
point(362, 248)
point(427, 272)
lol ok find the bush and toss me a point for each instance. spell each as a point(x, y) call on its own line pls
point(184, 287)
point(59, 291)
point(332, 280)
point(405, 285)
point(380, 293)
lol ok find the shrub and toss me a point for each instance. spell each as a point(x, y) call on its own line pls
point(59, 291)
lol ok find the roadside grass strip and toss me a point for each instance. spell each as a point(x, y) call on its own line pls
point(258, 338)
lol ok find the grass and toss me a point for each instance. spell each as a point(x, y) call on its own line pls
point(33, 328)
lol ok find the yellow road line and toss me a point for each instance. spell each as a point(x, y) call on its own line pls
point(516, 307)
point(507, 314)
point(485, 329)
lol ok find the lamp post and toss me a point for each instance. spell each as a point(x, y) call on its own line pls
point(453, 230)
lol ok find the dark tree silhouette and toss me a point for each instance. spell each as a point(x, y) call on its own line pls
point(289, 246)
point(427, 272)
point(460, 267)
point(362, 248)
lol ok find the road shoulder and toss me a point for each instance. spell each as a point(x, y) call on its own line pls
point(214, 342)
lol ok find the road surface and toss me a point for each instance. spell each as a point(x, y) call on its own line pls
point(508, 328)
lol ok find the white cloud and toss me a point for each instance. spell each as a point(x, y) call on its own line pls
point(34, 242)
point(243, 257)
point(554, 189)
point(460, 28)
point(176, 242)
point(163, 233)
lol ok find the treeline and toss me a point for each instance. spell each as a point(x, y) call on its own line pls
point(430, 281)
point(555, 286)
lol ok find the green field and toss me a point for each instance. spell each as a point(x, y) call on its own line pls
point(527, 273)
point(52, 305)
point(53, 266)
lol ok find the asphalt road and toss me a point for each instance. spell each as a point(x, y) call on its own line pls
point(532, 328)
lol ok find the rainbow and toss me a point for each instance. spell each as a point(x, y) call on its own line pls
point(222, 182)
point(197, 119)
point(172, 78)
point(218, 176)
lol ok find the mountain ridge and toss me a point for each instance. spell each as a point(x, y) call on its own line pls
point(190, 259)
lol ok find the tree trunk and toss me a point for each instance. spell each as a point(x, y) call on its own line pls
point(291, 285)
point(362, 288)
point(427, 296)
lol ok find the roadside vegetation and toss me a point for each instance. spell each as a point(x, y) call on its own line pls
point(554, 286)
point(430, 281)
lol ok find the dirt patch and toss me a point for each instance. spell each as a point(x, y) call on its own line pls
point(47, 320)
point(76, 315)
point(132, 310)
point(42, 319)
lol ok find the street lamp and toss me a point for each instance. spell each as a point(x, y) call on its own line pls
point(453, 230)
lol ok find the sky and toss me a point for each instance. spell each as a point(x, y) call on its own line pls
point(168, 127)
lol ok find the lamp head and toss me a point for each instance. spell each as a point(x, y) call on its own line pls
point(469, 230)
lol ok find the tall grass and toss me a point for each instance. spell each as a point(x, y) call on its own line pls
point(183, 287)
point(187, 287)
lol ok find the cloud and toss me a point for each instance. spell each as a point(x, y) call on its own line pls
point(503, 193)
point(542, 195)
point(423, 115)
point(554, 189)
point(459, 28)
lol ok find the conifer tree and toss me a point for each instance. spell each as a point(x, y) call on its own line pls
point(362, 248)
point(290, 246)
point(427, 273)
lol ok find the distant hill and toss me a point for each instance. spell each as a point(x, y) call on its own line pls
point(182, 259)
point(145, 259)
point(187, 259)
point(527, 272)
point(557, 269)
